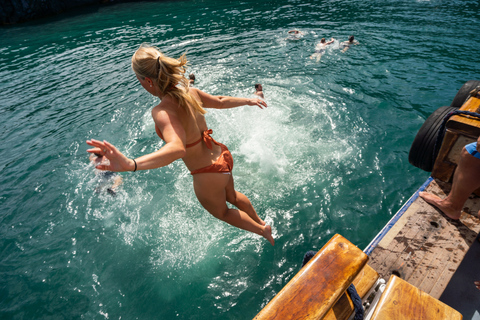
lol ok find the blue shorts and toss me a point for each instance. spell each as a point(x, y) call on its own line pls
point(472, 149)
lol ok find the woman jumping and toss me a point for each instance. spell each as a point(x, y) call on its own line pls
point(180, 122)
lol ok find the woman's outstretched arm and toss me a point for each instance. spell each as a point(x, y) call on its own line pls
point(225, 102)
point(174, 148)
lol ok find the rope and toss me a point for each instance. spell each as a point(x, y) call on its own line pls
point(441, 131)
point(309, 255)
point(352, 292)
point(357, 302)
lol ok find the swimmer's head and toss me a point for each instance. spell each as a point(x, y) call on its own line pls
point(293, 31)
point(323, 40)
point(258, 87)
point(95, 157)
point(191, 76)
point(351, 38)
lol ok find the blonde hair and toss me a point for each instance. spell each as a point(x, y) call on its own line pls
point(167, 73)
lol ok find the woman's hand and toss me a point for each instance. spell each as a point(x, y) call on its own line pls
point(118, 161)
point(257, 102)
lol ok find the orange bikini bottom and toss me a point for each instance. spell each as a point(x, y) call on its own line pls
point(224, 163)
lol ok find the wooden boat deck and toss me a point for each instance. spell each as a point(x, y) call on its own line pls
point(425, 247)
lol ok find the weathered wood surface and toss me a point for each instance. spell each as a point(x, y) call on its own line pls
point(344, 306)
point(319, 284)
point(425, 247)
point(402, 301)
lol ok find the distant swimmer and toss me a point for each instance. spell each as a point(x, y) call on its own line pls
point(294, 35)
point(180, 122)
point(105, 177)
point(259, 90)
point(320, 48)
point(347, 44)
point(191, 76)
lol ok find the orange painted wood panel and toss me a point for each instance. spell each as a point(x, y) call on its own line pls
point(319, 284)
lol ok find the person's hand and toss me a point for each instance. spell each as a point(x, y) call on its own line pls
point(257, 102)
point(118, 161)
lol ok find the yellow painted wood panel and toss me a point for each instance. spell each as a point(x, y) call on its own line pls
point(344, 306)
point(402, 301)
point(319, 284)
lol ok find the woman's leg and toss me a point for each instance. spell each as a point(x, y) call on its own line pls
point(210, 189)
point(241, 201)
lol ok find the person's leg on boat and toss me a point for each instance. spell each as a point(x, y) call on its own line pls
point(466, 179)
point(211, 191)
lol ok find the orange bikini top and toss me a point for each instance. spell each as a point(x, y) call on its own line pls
point(205, 137)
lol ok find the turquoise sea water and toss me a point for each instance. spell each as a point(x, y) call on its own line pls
point(329, 155)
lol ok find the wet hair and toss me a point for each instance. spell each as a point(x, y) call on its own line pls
point(351, 38)
point(98, 155)
point(257, 85)
point(322, 40)
point(166, 73)
point(191, 76)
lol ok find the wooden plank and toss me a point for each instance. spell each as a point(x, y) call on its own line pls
point(402, 301)
point(440, 286)
point(418, 243)
point(392, 258)
point(432, 273)
point(452, 242)
point(430, 246)
point(319, 284)
point(399, 225)
point(344, 306)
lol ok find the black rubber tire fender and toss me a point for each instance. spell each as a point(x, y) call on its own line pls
point(463, 93)
point(422, 151)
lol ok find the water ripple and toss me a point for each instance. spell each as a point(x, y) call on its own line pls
point(329, 154)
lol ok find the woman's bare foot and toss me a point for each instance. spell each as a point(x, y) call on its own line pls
point(267, 234)
point(477, 284)
point(440, 204)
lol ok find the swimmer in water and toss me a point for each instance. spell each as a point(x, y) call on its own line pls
point(259, 90)
point(180, 122)
point(320, 49)
point(105, 177)
point(347, 44)
point(191, 76)
point(294, 35)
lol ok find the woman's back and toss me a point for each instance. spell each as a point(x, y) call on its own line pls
point(198, 154)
